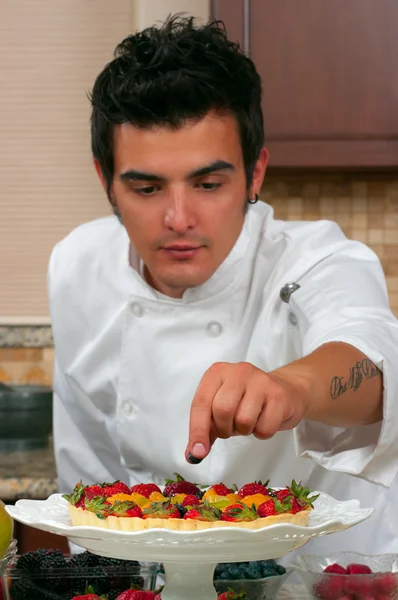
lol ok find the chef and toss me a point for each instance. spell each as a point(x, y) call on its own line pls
point(195, 333)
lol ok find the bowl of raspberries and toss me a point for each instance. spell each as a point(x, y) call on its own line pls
point(349, 576)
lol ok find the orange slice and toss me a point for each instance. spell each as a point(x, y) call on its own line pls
point(255, 499)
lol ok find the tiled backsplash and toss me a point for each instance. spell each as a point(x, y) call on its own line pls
point(365, 208)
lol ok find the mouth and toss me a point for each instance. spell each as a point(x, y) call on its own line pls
point(182, 251)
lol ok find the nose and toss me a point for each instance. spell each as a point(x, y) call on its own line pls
point(180, 215)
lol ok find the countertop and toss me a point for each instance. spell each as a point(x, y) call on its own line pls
point(29, 474)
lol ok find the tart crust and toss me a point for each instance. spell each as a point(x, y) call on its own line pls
point(86, 518)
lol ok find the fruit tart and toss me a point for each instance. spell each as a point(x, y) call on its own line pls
point(186, 506)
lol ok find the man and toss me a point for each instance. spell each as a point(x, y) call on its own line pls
point(193, 332)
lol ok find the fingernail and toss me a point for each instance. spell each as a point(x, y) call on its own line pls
point(197, 454)
point(193, 460)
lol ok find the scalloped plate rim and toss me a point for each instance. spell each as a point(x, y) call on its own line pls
point(82, 531)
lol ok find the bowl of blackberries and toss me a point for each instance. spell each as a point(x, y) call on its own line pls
point(256, 580)
point(349, 576)
point(47, 574)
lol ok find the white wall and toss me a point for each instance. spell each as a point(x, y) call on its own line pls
point(149, 12)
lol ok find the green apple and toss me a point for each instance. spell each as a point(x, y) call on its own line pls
point(6, 530)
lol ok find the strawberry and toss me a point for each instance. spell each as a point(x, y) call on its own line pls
point(204, 512)
point(190, 500)
point(282, 494)
point(137, 595)
point(77, 496)
point(336, 569)
point(232, 595)
point(180, 486)
point(238, 512)
point(116, 488)
point(302, 494)
point(358, 569)
point(89, 595)
point(385, 584)
point(274, 507)
point(256, 487)
point(125, 508)
point(220, 489)
point(145, 489)
point(161, 510)
point(98, 505)
point(93, 491)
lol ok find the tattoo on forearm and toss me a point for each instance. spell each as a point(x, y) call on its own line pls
point(363, 370)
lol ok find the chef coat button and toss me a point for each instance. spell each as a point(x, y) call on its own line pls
point(136, 309)
point(127, 407)
point(214, 329)
point(287, 291)
point(293, 318)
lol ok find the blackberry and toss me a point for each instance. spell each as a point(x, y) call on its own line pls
point(52, 572)
point(31, 561)
point(137, 581)
point(105, 561)
point(98, 579)
point(114, 593)
point(85, 560)
point(25, 589)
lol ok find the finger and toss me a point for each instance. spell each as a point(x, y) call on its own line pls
point(200, 419)
point(225, 405)
point(270, 420)
point(248, 411)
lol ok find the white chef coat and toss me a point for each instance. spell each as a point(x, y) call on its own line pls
point(128, 362)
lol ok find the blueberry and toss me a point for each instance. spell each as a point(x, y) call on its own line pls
point(224, 575)
point(267, 572)
point(280, 569)
point(252, 573)
point(234, 572)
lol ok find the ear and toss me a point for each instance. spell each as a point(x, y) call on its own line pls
point(259, 172)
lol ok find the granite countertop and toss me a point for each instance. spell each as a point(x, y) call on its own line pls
point(30, 474)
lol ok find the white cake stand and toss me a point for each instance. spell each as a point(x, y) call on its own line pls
point(189, 558)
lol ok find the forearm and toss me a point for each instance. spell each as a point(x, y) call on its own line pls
point(341, 385)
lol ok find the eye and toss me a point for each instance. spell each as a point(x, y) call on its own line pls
point(147, 190)
point(208, 187)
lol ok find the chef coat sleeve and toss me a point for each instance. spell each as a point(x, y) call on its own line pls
point(79, 456)
point(343, 298)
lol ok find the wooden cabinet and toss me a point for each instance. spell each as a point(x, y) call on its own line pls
point(29, 539)
point(330, 77)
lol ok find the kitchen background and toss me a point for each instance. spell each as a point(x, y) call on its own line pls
point(49, 55)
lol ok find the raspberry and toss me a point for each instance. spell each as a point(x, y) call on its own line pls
point(190, 500)
point(358, 585)
point(330, 587)
point(336, 569)
point(385, 584)
point(357, 569)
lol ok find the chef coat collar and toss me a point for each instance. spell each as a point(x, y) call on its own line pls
point(226, 272)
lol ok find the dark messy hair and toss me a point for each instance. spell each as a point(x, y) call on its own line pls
point(164, 76)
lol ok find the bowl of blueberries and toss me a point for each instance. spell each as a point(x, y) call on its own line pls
point(257, 580)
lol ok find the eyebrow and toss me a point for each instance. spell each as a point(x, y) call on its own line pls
point(217, 165)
